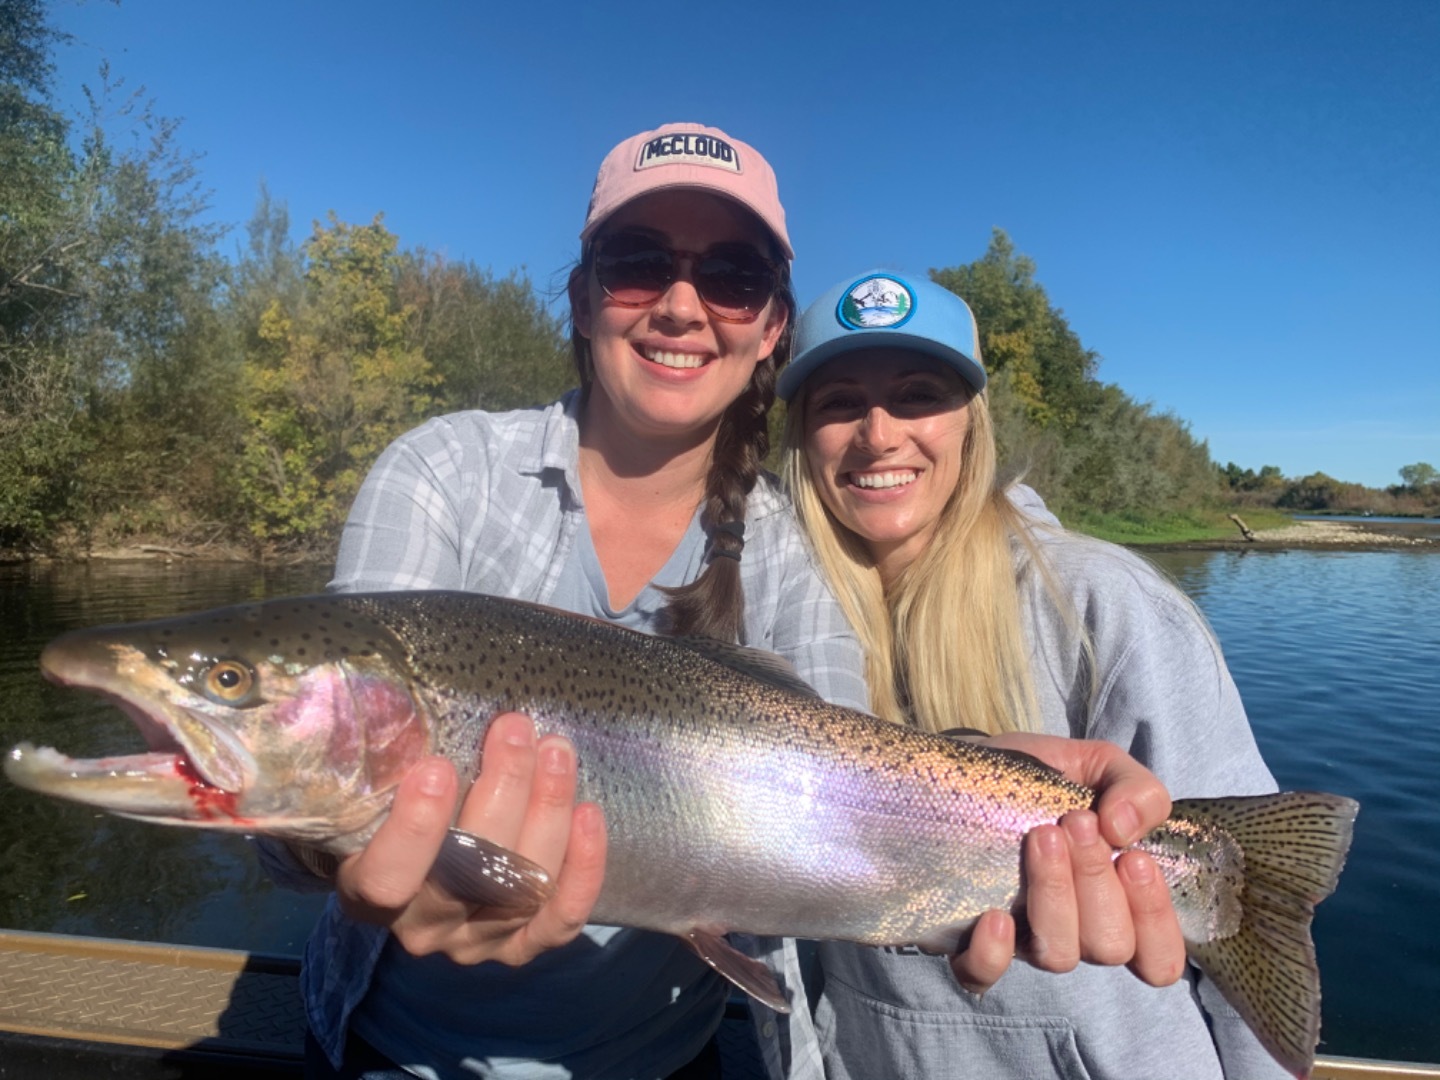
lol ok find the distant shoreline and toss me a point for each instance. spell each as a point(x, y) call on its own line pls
point(1423, 534)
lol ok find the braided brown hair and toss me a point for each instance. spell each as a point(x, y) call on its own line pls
point(713, 605)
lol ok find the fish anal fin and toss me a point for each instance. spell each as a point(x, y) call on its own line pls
point(488, 876)
point(748, 974)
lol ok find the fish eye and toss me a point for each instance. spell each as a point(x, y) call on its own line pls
point(229, 681)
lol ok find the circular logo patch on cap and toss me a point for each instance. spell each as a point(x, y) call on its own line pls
point(876, 302)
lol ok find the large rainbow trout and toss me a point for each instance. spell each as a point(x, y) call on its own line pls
point(770, 811)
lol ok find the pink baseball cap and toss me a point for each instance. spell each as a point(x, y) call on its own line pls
point(687, 156)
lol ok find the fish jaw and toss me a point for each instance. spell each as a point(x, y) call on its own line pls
point(196, 771)
point(158, 786)
point(315, 757)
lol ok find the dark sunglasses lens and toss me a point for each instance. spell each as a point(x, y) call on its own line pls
point(735, 280)
point(633, 269)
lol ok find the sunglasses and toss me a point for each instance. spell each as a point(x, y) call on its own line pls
point(734, 281)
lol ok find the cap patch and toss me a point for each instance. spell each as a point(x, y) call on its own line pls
point(688, 148)
point(876, 302)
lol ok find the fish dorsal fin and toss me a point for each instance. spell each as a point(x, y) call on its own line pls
point(770, 668)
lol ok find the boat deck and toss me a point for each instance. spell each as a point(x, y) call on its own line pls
point(81, 1007)
point(67, 1003)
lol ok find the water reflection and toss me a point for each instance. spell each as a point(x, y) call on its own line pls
point(1337, 656)
point(72, 869)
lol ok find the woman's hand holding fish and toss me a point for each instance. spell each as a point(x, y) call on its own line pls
point(523, 800)
point(1082, 904)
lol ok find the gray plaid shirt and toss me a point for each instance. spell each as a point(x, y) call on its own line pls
point(491, 502)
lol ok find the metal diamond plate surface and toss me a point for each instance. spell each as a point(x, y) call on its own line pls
point(149, 995)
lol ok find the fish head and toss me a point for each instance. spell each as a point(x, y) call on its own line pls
point(291, 718)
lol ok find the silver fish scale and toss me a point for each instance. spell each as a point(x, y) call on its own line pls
point(731, 802)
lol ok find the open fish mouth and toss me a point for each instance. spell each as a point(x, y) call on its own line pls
point(194, 769)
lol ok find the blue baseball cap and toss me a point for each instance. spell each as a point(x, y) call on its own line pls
point(879, 310)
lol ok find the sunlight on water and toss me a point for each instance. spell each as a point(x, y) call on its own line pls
point(1337, 656)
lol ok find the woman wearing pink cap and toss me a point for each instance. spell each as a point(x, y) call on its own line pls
point(638, 498)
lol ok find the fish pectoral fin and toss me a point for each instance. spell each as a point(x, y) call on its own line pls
point(748, 974)
point(489, 876)
point(322, 864)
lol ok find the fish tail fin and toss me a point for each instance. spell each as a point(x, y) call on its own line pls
point(1294, 846)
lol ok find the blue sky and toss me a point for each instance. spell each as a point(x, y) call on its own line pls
point(1236, 204)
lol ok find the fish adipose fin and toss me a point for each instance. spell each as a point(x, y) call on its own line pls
point(1294, 846)
point(488, 876)
point(748, 974)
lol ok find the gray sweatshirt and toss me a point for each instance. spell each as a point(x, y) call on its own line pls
point(1163, 693)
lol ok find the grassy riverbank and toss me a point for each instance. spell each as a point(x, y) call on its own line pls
point(1172, 528)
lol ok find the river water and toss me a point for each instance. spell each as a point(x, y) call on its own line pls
point(1337, 655)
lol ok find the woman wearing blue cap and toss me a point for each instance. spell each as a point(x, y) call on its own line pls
point(977, 609)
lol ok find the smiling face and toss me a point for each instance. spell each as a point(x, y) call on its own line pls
point(670, 369)
point(884, 438)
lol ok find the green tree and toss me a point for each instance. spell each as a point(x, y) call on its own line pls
point(335, 377)
point(1268, 479)
point(146, 337)
point(1129, 458)
point(492, 340)
point(38, 443)
point(107, 283)
point(269, 269)
point(1419, 476)
point(1051, 375)
point(1314, 492)
point(1083, 444)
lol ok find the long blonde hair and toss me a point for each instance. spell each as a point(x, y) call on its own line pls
point(944, 648)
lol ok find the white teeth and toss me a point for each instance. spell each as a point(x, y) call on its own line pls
point(672, 359)
point(894, 478)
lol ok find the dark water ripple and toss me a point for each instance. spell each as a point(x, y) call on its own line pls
point(72, 870)
point(1337, 655)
